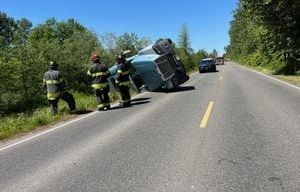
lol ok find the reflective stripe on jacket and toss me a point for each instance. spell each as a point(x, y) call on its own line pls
point(125, 83)
point(100, 74)
point(53, 81)
point(99, 85)
point(122, 76)
point(52, 96)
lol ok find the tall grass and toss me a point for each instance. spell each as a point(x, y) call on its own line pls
point(20, 123)
point(24, 122)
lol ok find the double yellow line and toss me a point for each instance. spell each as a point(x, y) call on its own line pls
point(207, 115)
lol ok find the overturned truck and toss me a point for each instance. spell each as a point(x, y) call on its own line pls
point(155, 67)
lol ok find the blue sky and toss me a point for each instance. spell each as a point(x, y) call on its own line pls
point(207, 20)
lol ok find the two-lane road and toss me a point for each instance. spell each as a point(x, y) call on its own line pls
point(233, 130)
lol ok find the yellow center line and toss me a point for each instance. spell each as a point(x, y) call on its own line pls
point(207, 115)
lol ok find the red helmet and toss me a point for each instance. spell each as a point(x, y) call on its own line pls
point(95, 58)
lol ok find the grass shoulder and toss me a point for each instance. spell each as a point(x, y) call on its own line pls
point(292, 79)
point(15, 125)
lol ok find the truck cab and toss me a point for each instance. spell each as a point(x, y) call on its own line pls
point(156, 66)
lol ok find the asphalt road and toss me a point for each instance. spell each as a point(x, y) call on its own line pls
point(249, 141)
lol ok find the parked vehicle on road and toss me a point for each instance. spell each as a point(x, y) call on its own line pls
point(207, 64)
point(154, 67)
point(219, 60)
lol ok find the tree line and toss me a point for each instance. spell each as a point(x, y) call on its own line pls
point(25, 52)
point(266, 33)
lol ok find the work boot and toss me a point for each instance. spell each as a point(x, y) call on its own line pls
point(126, 104)
point(101, 107)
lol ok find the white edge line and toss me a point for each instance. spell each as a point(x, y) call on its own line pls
point(47, 131)
point(56, 127)
point(294, 86)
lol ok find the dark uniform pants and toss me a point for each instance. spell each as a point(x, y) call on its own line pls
point(67, 97)
point(125, 94)
point(102, 98)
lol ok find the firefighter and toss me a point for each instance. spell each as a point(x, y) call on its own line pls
point(56, 86)
point(100, 74)
point(122, 80)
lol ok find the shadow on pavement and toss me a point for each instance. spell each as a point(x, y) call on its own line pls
point(217, 71)
point(137, 101)
point(182, 89)
point(141, 99)
point(140, 103)
point(177, 89)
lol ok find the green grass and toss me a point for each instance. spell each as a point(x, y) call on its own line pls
point(260, 69)
point(264, 70)
point(22, 123)
point(18, 124)
point(193, 71)
point(293, 79)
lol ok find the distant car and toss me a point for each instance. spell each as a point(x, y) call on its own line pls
point(219, 60)
point(207, 64)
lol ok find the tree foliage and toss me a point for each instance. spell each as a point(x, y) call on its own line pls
point(69, 44)
point(27, 51)
point(7, 29)
point(184, 39)
point(267, 33)
point(184, 49)
point(199, 55)
point(214, 53)
point(188, 57)
point(115, 44)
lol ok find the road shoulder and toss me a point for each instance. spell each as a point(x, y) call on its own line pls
point(292, 81)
